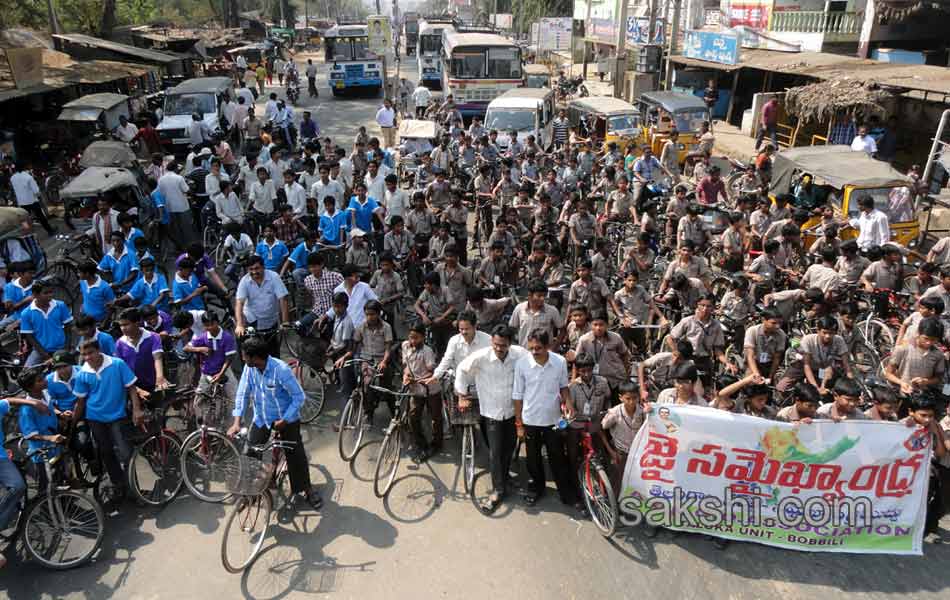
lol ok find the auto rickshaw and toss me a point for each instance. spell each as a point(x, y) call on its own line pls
point(839, 177)
point(608, 119)
point(120, 185)
point(416, 137)
point(536, 76)
point(663, 111)
point(94, 113)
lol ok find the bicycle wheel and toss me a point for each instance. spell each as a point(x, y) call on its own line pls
point(351, 426)
point(65, 280)
point(245, 531)
point(208, 459)
point(104, 490)
point(387, 463)
point(599, 497)
point(63, 531)
point(468, 458)
point(878, 335)
point(313, 388)
point(155, 470)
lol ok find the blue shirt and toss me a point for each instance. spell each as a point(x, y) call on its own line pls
point(274, 394)
point(183, 288)
point(120, 266)
point(134, 234)
point(61, 392)
point(364, 212)
point(273, 255)
point(32, 423)
point(330, 226)
point(106, 343)
point(95, 297)
point(301, 253)
point(104, 390)
point(159, 201)
point(14, 292)
point(144, 292)
point(46, 327)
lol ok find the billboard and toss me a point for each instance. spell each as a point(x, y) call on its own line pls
point(26, 65)
point(712, 46)
point(380, 34)
point(555, 33)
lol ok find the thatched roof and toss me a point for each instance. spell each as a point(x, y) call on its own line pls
point(821, 101)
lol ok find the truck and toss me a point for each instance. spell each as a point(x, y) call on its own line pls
point(411, 27)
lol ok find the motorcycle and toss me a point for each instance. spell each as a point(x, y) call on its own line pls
point(572, 86)
point(293, 92)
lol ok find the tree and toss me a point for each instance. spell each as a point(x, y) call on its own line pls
point(108, 22)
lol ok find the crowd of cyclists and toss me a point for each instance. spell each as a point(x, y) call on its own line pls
point(526, 284)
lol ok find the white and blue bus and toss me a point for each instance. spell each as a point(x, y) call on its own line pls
point(353, 66)
point(477, 68)
point(429, 51)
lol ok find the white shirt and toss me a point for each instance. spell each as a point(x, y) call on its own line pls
point(386, 117)
point(270, 110)
point(874, 229)
point(321, 190)
point(174, 189)
point(25, 188)
point(376, 187)
point(346, 172)
point(228, 208)
point(493, 379)
point(241, 62)
point(296, 198)
point(213, 182)
point(539, 388)
point(360, 295)
point(421, 96)
point(248, 96)
point(458, 350)
point(397, 203)
point(227, 110)
point(864, 144)
point(127, 132)
point(262, 196)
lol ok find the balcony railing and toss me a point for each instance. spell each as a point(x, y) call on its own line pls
point(816, 21)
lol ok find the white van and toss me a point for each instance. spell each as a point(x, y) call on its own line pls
point(529, 111)
point(202, 95)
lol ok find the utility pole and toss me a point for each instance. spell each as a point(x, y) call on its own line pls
point(283, 20)
point(584, 41)
point(674, 34)
point(379, 9)
point(620, 64)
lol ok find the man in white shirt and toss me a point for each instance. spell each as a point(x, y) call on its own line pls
point(245, 92)
point(296, 194)
point(375, 180)
point(27, 194)
point(872, 224)
point(311, 73)
point(227, 207)
point(492, 373)
point(395, 200)
point(241, 63)
point(327, 187)
point(358, 292)
point(174, 189)
point(270, 107)
point(198, 131)
point(540, 387)
point(420, 100)
point(386, 119)
point(214, 178)
point(126, 131)
point(864, 142)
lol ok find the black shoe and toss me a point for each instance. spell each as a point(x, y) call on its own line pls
point(418, 455)
point(581, 509)
point(490, 505)
point(314, 499)
point(531, 498)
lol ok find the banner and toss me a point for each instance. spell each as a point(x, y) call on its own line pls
point(380, 34)
point(26, 65)
point(712, 46)
point(853, 486)
point(554, 33)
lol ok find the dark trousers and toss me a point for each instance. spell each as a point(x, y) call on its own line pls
point(114, 450)
point(419, 403)
point(297, 465)
point(616, 473)
point(764, 130)
point(501, 437)
point(37, 211)
point(544, 435)
point(312, 86)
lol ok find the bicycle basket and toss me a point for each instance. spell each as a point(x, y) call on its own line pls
point(252, 478)
point(213, 410)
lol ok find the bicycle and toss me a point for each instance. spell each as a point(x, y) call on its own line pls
point(250, 516)
point(312, 379)
point(60, 519)
point(599, 496)
point(390, 450)
point(208, 456)
point(350, 435)
point(154, 472)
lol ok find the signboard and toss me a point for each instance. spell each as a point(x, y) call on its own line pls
point(638, 30)
point(380, 34)
point(712, 46)
point(851, 486)
point(750, 13)
point(555, 33)
point(501, 20)
point(26, 65)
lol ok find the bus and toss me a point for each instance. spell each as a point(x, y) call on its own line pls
point(410, 24)
point(353, 65)
point(478, 67)
point(429, 51)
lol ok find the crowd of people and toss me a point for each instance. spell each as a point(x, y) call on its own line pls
point(592, 298)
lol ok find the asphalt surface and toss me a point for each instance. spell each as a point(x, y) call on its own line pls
point(427, 539)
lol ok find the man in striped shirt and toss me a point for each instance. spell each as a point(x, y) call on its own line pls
point(561, 127)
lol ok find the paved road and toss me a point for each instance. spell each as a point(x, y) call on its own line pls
point(427, 540)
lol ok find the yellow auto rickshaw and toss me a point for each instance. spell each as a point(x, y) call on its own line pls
point(664, 111)
point(606, 118)
point(839, 177)
point(537, 76)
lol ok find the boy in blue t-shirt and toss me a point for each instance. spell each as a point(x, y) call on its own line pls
point(18, 292)
point(38, 422)
point(87, 330)
point(120, 263)
point(187, 291)
point(150, 289)
point(272, 250)
point(97, 294)
point(131, 233)
point(44, 323)
point(60, 381)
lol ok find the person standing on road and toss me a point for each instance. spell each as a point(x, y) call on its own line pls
point(492, 373)
point(27, 194)
point(562, 127)
point(386, 119)
point(276, 397)
point(261, 75)
point(261, 303)
point(312, 79)
point(240, 63)
point(768, 124)
point(174, 189)
point(540, 388)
